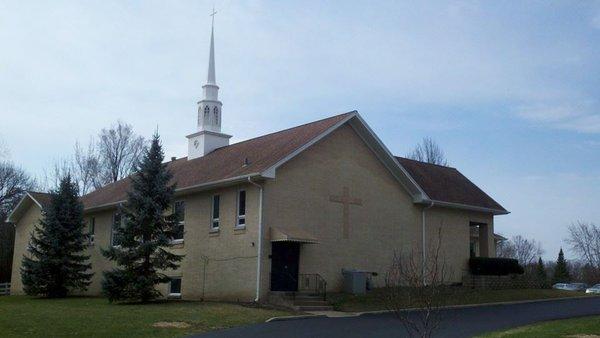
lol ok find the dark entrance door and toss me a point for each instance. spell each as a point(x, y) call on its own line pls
point(284, 266)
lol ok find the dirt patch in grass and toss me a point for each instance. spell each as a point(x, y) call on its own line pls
point(171, 325)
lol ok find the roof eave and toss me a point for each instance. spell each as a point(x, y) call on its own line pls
point(388, 159)
point(10, 218)
point(464, 207)
point(186, 190)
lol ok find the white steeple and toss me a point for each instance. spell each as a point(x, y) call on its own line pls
point(209, 136)
point(211, 56)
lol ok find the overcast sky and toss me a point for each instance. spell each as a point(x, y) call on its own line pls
point(512, 93)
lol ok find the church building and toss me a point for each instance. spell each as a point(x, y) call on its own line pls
point(288, 211)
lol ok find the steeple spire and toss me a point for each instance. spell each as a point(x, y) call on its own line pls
point(209, 136)
point(211, 57)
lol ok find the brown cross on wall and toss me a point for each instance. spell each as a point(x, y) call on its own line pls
point(346, 201)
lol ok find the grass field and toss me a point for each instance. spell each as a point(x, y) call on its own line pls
point(575, 327)
point(372, 301)
point(95, 317)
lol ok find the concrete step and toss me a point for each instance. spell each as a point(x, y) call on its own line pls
point(314, 308)
point(307, 296)
point(311, 303)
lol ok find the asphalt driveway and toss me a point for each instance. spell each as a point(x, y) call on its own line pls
point(460, 322)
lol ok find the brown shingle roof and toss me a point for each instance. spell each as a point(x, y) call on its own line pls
point(442, 184)
point(41, 197)
point(447, 184)
point(226, 162)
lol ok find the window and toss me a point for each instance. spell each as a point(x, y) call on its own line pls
point(91, 230)
point(216, 201)
point(179, 211)
point(216, 113)
point(241, 203)
point(117, 223)
point(175, 287)
point(206, 112)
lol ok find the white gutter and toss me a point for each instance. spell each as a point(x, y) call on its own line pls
point(180, 191)
point(424, 255)
point(260, 237)
point(465, 207)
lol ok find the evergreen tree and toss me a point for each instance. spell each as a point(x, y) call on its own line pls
point(561, 272)
point(58, 263)
point(541, 273)
point(145, 234)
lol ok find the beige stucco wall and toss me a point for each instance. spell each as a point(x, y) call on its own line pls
point(230, 271)
point(23, 230)
point(386, 222)
point(299, 197)
point(217, 265)
point(455, 235)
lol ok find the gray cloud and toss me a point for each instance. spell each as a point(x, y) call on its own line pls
point(583, 116)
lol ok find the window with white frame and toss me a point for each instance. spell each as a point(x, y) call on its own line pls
point(216, 201)
point(241, 208)
point(92, 230)
point(175, 287)
point(179, 211)
point(117, 223)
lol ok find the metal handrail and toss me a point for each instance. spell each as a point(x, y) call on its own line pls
point(311, 282)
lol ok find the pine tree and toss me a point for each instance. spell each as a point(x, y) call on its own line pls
point(145, 235)
point(541, 273)
point(561, 272)
point(58, 263)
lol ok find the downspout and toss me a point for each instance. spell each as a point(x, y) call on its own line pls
point(260, 238)
point(423, 252)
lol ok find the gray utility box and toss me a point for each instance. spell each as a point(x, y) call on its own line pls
point(355, 281)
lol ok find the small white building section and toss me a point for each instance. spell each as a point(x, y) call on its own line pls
point(209, 136)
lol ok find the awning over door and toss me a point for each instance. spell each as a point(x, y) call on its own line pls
point(292, 234)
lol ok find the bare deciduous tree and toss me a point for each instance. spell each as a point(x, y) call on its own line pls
point(429, 151)
point(59, 169)
point(83, 167)
point(119, 148)
point(584, 272)
point(4, 153)
point(526, 251)
point(413, 285)
point(87, 167)
point(505, 249)
point(14, 182)
point(584, 239)
point(100, 163)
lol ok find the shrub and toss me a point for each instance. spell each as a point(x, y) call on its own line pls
point(494, 266)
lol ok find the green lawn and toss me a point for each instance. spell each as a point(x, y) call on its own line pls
point(95, 317)
point(373, 300)
point(575, 327)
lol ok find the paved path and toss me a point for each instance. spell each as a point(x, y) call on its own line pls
point(460, 322)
